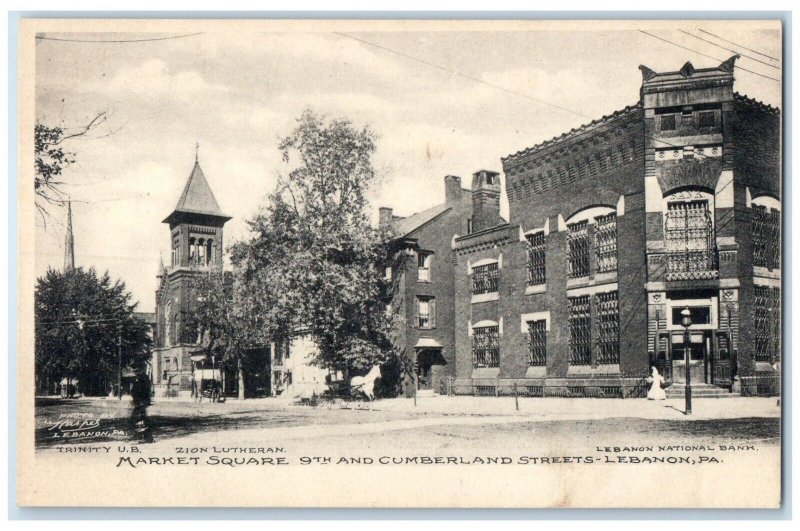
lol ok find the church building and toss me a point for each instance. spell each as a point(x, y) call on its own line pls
point(196, 235)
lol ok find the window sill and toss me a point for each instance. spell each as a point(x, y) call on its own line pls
point(578, 282)
point(599, 370)
point(536, 371)
point(606, 278)
point(485, 297)
point(485, 372)
point(536, 288)
point(763, 272)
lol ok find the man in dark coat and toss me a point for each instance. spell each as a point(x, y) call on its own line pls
point(140, 392)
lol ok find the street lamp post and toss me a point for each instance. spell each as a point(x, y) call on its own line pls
point(686, 321)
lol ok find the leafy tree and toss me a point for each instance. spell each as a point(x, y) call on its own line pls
point(223, 319)
point(50, 160)
point(80, 316)
point(313, 263)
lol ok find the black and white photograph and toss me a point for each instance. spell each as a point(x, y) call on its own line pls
point(400, 263)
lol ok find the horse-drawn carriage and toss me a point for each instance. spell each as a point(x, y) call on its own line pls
point(357, 388)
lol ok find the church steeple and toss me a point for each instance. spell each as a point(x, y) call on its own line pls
point(197, 202)
point(69, 243)
point(196, 224)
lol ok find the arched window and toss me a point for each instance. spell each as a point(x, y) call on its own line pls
point(201, 251)
point(592, 232)
point(168, 326)
point(689, 235)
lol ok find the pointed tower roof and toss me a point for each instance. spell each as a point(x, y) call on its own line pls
point(197, 202)
point(69, 242)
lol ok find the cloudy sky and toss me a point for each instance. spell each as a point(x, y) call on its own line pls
point(442, 102)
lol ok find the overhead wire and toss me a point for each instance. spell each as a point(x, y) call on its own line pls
point(706, 55)
point(116, 41)
point(737, 44)
point(730, 50)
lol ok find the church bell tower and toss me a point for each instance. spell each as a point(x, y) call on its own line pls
point(196, 241)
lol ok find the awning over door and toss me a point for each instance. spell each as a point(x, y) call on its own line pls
point(427, 342)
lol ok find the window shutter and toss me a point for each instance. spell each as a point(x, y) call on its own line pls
point(416, 313)
point(432, 311)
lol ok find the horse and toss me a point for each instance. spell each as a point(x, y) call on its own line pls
point(366, 384)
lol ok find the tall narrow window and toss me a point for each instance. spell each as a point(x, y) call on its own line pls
point(608, 328)
point(536, 259)
point(426, 312)
point(484, 278)
point(580, 330)
point(209, 251)
point(201, 252)
point(762, 324)
point(278, 352)
point(424, 266)
point(578, 246)
point(776, 323)
point(691, 250)
point(766, 229)
point(486, 347)
point(537, 343)
point(605, 243)
point(767, 324)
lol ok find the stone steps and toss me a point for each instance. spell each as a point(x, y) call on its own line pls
point(699, 391)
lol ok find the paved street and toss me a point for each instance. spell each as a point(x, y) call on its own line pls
point(433, 423)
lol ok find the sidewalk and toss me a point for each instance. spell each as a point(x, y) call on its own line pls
point(531, 408)
point(587, 408)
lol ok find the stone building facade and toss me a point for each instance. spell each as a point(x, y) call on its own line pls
point(614, 228)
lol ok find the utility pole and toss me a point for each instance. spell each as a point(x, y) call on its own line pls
point(119, 362)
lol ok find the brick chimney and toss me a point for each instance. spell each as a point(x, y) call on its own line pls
point(452, 189)
point(384, 216)
point(485, 200)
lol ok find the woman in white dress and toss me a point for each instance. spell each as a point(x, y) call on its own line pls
point(656, 391)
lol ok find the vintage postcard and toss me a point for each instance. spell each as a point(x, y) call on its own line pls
point(400, 263)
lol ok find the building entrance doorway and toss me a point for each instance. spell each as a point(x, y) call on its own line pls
point(711, 357)
point(428, 368)
point(699, 349)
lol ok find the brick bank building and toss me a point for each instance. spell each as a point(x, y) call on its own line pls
point(614, 228)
